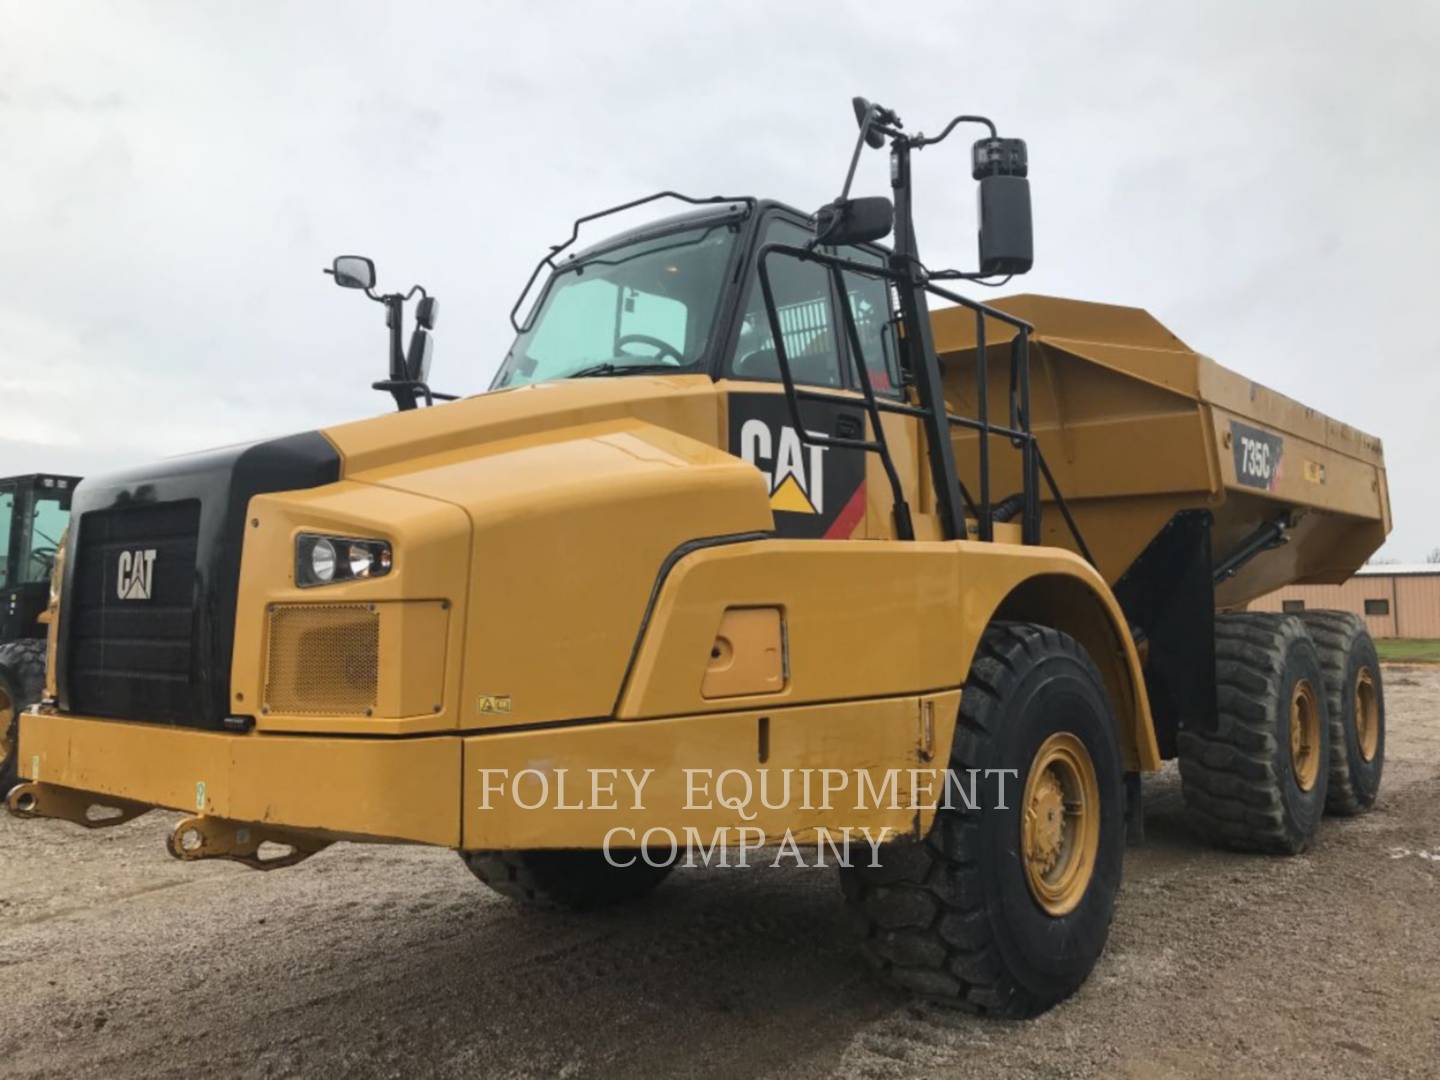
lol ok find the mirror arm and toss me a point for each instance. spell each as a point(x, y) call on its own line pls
point(855, 156)
point(879, 119)
point(919, 141)
point(412, 387)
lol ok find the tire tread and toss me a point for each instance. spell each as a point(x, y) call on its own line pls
point(948, 950)
point(1229, 777)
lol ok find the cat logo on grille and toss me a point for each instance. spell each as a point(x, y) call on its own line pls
point(136, 574)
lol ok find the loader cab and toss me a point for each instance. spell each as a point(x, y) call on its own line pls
point(34, 512)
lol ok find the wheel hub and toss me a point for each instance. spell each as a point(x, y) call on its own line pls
point(1367, 715)
point(1305, 739)
point(1060, 823)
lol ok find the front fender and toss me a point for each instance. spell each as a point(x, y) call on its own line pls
point(872, 619)
point(571, 529)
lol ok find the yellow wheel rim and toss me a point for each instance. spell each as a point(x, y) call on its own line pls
point(1367, 714)
point(1305, 734)
point(1060, 826)
point(7, 717)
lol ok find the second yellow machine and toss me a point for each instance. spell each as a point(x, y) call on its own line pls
point(740, 509)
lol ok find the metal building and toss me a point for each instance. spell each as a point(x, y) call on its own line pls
point(1398, 600)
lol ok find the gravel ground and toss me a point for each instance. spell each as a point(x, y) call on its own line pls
point(380, 961)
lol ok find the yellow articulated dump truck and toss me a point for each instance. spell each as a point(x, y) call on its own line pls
point(747, 549)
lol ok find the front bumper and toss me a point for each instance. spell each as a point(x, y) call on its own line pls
point(341, 787)
point(556, 787)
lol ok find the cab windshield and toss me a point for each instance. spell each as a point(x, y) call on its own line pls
point(642, 307)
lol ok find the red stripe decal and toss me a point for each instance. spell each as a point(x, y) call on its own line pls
point(849, 518)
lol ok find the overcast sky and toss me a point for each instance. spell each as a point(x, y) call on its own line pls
point(1261, 177)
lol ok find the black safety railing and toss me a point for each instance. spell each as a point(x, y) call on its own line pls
point(1016, 430)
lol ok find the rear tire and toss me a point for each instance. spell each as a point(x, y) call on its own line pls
point(22, 682)
point(1004, 909)
point(1258, 781)
point(1355, 698)
point(573, 879)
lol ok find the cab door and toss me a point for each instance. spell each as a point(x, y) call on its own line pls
point(824, 492)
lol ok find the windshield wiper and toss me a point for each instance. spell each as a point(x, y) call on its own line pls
point(609, 367)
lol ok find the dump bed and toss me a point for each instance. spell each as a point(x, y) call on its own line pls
point(1136, 426)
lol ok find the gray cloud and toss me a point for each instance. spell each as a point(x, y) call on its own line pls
point(1259, 176)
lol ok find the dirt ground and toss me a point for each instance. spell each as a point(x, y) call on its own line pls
point(118, 961)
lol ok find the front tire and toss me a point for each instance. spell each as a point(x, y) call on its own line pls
point(1005, 908)
point(573, 879)
point(22, 682)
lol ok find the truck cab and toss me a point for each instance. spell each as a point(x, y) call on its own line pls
point(682, 296)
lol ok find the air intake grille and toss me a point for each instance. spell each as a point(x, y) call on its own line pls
point(324, 659)
point(131, 611)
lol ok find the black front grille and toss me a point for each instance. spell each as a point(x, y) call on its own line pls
point(165, 657)
point(131, 611)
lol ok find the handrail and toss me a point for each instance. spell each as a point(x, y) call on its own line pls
point(1016, 431)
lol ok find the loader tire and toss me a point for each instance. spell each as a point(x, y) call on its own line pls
point(1004, 908)
point(577, 880)
point(22, 682)
point(1355, 698)
point(1257, 782)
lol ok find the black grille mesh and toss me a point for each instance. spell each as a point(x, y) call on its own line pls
point(130, 656)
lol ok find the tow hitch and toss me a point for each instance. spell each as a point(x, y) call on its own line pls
point(195, 838)
point(31, 799)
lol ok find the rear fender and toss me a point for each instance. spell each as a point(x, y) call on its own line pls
point(1088, 612)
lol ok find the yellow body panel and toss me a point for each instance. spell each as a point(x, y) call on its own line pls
point(432, 790)
point(504, 810)
point(434, 542)
point(571, 530)
point(868, 620)
point(396, 789)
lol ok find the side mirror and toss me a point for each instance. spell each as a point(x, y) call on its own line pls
point(873, 139)
point(854, 221)
point(353, 272)
point(1007, 242)
point(422, 341)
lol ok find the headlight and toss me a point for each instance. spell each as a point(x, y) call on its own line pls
point(322, 560)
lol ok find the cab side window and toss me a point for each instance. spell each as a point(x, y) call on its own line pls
point(46, 530)
point(807, 327)
point(7, 515)
point(869, 300)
